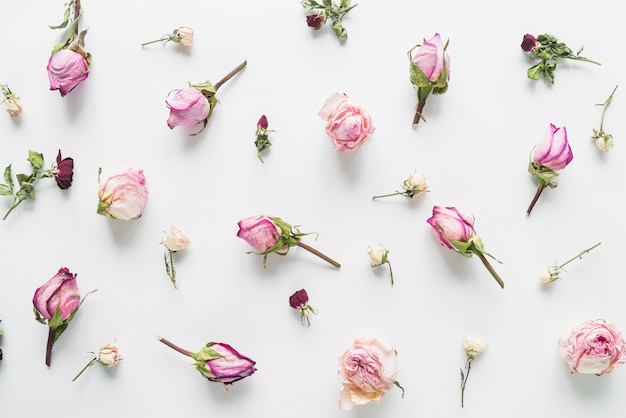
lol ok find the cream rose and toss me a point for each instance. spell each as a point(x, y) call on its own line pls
point(176, 240)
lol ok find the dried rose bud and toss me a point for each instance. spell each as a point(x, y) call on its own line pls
point(65, 171)
point(315, 20)
point(109, 356)
point(300, 302)
point(184, 35)
point(529, 43)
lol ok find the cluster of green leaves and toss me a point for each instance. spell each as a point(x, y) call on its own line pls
point(71, 31)
point(26, 182)
point(262, 141)
point(333, 11)
point(549, 50)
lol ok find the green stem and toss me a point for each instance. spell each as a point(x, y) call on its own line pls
point(172, 272)
point(84, 368)
point(164, 38)
point(491, 270)
point(468, 368)
point(16, 202)
point(319, 254)
point(606, 105)
point(390, 272)
point(387, 195)
point(583, 59)
point(76, 14)
point(542, 185)
point(579, 255)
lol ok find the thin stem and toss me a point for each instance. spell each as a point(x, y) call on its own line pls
point(583, 59)
point(542, 185)
point(93, 360)
point(76, 15)
point(390, 272)
point(579, 255)
point(16, 202)
point(49, 344)
point(319, 254)
point(468, 368)
point(174, 346)
point(606, 105)
point(387, 195)
point(418, 111)
point(172, 272)
point(230, 74)
point(491, 270)
point(163, 39)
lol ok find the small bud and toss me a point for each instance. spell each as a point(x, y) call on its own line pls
point(316, 20)
point(529, 43)
point(184, 35)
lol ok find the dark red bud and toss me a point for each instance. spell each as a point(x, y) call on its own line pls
point(299, 299)
point(529, 43)
point(65, 172)
point(315, 21)
point(262, 123)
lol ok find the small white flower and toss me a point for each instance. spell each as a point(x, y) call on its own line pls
point(474, 344)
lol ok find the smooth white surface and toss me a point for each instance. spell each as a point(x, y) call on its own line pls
point(474, 150)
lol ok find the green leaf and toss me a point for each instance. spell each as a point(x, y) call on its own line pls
point(341, 32)
point(207, 88)
point(21, 178)
point(345, 3)
point(535, 71)
point(328, 3)
point(207, 353)
point(35, 159)
point(8, 178)
point(311, 4)
point(5, 190)
point(66, 18)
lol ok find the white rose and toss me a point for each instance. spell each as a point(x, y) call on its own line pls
point(416, 182)
point(13, 107)
point(176, 240)
point(474, 343)
point(378, 256)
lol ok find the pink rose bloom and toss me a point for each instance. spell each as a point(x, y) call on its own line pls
point(187, 107)
point(122, 192)
point(430, 58)
point(229, 368)
point(593, 347)
point(450, 224)
point(66, 69)
point(261, 232)
point(553, 151)
point(367, 370)
point(60, 292)
point(347, 125)
point(176, 240)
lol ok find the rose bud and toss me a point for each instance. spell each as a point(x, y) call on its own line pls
point(55, 304)
point(529, 43)
point(64, 171)
point(367, 369)
point(552, 154)
point(378, 257)
point(455, 230)
point(593, 347)
point(269, 234)
point(66, 68)
point(429, 71)
point(11, 102)
point(184, 35)
point(414, 185)
point(122, 193)
point(300, 302)
point(187, 107)
point(108, 356)
point(348, 126)
point(218, 362)
point(473, 345)
point(316, 20)
point(262, 138)
point(174, 241)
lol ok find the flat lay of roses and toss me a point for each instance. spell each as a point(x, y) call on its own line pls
point(372, 368)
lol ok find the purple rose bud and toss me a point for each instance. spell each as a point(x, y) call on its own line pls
point(315, 20)
point(529, 43)
point(58, 293)
point(299, 299)
point(65, 172)
point(262, 123)
point(261, 232)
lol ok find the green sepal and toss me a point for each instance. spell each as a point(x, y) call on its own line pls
point(207, 88)
point(463, 247)
point(56, 320)
point(8, 177)
point(206, 353)
point(102, 209)
point(545, 174)
point(418, 78)
point(35, 159)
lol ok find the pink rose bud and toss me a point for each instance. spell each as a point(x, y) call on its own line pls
point(348, 126)
point(432, 58)
point(262, 123)
point(66, 69)
point(529, 43)
point(60, 293)
point(11, 102)
point(187, 107)
point(593, 347)
point(122, 193)
point(315, 20)
point(260, 232)
point(218, 362)
point(109, 356)
point(65, 171)
point(367, 369)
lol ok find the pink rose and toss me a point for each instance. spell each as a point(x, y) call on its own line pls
point(187, 107)
point(367, 370)
point(230, 367)
point(176, 240)
point(59, 293)
point(122, 193)
point(347, 125)
point(430, 57)
point(593, 347)
point(261, 232)
point(450, 224)
point(553, 151)
point(66, 69)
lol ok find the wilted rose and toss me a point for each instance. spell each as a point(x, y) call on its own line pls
point(367, 369)
point(593, 347)
point(187, 107)
point(60, 293)
point(122, 193)
point(261, 232)
point(66, 68)
point(64, 171)
point(347, 125)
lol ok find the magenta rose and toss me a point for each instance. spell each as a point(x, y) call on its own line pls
point(261, 232)
point(450, 224)
point(187, 107)
point(367, 369)
point(593, 347)
point(122, 193)
point(553, 151)
point(218, 362)
point(66, 69)
point(347, 125)
point(59, 293)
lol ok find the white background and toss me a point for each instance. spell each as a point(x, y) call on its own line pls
point(474, 150)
